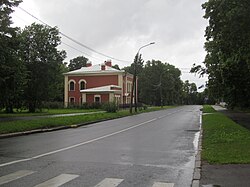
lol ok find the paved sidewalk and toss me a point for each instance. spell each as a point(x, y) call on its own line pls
point(47, 116)
point(229, 175)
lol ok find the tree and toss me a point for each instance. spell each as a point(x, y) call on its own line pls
point(190, 95)
point(77, 63)
point(160, 84)
point(43, 62)
point(116, 66)
point(12, 70)
point(228, 51)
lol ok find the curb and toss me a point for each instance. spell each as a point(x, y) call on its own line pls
point(9, 135)
point(197, 167)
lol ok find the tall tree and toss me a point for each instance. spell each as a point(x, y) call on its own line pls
point(190, 94)
point(77, 63)
point(160, 84)
point(228, 50)
point(12, 71)
point(43, 62)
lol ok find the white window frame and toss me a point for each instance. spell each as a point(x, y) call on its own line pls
point(71, 80)
point(99, 97)
point(82, 80)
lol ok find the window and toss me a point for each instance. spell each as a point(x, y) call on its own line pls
point(71, 86)
point(129, 86)
point(82, 84)
point(97, 98)
point(71, 100)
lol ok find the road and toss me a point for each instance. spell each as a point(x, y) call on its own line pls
point(150, 149)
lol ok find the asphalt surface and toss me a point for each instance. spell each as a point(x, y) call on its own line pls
point(151, 149)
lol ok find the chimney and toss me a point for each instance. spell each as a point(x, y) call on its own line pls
point(108, 63)
point(89, 64)
point(103, 66)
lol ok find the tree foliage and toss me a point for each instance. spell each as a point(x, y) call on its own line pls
point(228, 51)
point(43, 62)
point(77, 63)
point(160, 84)
point(12, 70)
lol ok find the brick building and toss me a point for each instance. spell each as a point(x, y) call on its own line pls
point(98, 83)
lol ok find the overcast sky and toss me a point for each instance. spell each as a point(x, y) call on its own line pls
point(118, 28)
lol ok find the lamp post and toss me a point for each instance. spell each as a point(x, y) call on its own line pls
point(134, 86)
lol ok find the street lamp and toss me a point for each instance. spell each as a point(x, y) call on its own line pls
point(134, 87)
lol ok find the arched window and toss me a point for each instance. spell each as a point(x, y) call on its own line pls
point(82, 84)
point(71, 86)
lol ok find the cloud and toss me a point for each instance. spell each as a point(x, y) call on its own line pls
point(118, 28)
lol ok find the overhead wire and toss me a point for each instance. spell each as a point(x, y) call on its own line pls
point(75, 41)
point(66, 44)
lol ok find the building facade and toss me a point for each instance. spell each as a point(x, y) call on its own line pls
point(97, 84)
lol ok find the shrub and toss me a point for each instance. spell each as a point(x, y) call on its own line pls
point(110, 107)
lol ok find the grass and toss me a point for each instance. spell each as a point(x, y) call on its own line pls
point(26, 125)
point(224, 141)
point(208, 109)
point(46, 112)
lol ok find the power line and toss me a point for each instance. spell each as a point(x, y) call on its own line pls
point(75, 41)
point(86, 54)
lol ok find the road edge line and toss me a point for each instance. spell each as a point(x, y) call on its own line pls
point(197, 166)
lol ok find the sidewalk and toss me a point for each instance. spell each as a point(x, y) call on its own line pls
point(229, 175)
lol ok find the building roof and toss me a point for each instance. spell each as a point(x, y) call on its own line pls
point(95, 69)
point(109, 89)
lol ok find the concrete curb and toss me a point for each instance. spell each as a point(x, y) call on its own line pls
point(197, 167)
point(2, 136)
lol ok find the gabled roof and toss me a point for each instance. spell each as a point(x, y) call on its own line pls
point(109, 88)
point(95, 69)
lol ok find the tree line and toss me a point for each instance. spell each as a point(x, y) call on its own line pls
point(227, 62)
point(32, 67)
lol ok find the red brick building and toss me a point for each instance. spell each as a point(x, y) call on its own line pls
point(98, 83)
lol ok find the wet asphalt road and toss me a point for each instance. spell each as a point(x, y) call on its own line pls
point(138, 151)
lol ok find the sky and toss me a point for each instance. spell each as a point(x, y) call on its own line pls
point(118, 28)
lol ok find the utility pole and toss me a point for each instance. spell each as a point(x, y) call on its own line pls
point(134, 86)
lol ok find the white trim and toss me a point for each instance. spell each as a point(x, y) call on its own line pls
point(84, 97)
point(80, 81)
point(72, 80)
point(66, 90)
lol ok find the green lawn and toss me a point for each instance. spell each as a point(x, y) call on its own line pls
point(25, 125)
point(224, 141)
point(46, 112)
point(208, 109)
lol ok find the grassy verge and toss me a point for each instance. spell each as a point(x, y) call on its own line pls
point(208, 109)
point(224, 141)
point(46, 112)
point(25, 125)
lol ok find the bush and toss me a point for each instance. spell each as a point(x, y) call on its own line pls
point(110, 107)
point(52, 105)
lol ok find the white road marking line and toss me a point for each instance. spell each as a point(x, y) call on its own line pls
point(109, 182)
point(57, 181)
point(14, 176)
point(83, 143)
point(77, 145)
point(163, 184)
